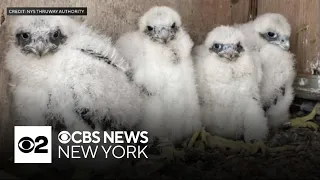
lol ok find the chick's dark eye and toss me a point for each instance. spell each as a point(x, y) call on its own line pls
point(173, 25)
point(272, 34)
point(25, 35)
point(239, 46)
point(149, 28)
point(56, 34)
point(217, 46)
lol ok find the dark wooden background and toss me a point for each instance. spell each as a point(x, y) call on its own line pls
point(114, 17)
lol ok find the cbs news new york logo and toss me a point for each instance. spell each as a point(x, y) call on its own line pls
point(32, 144)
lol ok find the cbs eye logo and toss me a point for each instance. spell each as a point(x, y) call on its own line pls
point(64, 137)
point(32, 144)
point(27, 144)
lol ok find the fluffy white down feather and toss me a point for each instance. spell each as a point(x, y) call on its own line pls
point(278, 71)
point(166, 71)
point(228, 91)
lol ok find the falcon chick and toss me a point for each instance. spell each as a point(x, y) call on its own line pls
point(160, 58)
point(269, 35)
point(58, 78)
point(228, 79)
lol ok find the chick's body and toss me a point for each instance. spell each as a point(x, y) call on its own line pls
point(268, 36)
point(165, 71)
point(229, 89)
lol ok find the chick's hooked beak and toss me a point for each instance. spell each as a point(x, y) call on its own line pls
point(40, 46)
point(231, 51)
point(164, 34)
point(284, 43)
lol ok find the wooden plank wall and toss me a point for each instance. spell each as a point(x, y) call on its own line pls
point(304, 17)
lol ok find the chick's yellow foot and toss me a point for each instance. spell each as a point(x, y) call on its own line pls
point(256, 146)
point(260, 145)
point(193, 139)
point(229, 145)
point(203, 138)
point(232, 146)
point(304, 122)
point(226, 144)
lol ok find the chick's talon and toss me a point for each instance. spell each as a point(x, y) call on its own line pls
point(304, 122)
point(203, 137)
point(193, 139)
point(229, 145)
point(226, 144)
point(258, 145)
point(310, 125)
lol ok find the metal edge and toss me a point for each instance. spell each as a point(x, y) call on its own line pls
point(307, 87)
